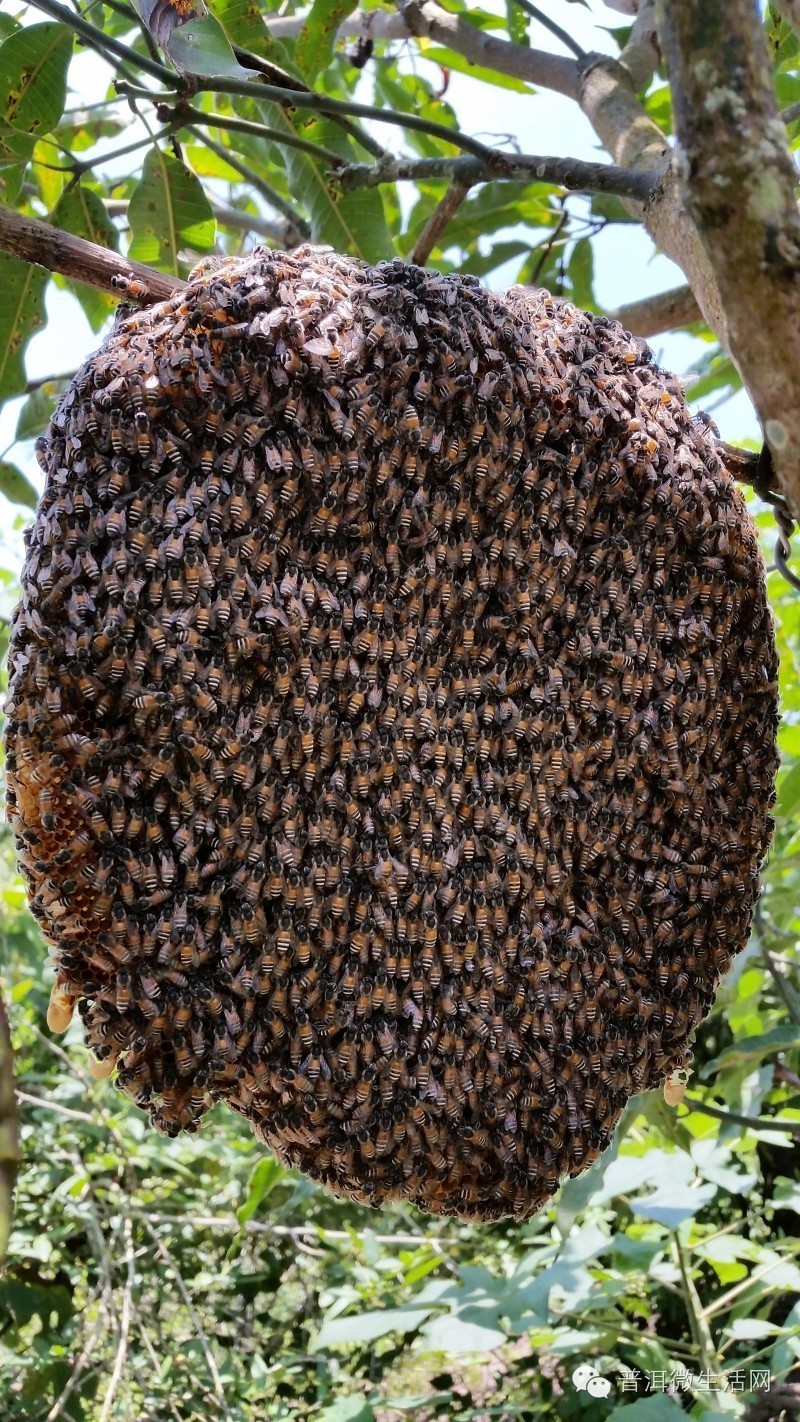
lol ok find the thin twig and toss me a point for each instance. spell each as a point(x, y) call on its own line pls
point(317, 103)
point(230, 1222)
point(23, 1097)
point(438, 222)
point(698, 1323)
point(250, 176)
point(756, 1123)
point(187, 1299)
point(185, 115)
point(124, 1327)
point(80, 1362)
point(543, 19)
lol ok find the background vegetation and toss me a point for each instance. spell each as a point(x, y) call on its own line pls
point(150, 1279)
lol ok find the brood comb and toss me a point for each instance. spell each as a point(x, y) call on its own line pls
point(391, 724)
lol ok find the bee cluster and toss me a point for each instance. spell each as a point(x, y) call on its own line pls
point(391, 724)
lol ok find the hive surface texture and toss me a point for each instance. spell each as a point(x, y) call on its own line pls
point(391, 722)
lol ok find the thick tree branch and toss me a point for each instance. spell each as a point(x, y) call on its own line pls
point(641, 55)
point(58, 251)
point(570, 173)
point(426, 20)
point(738, 184)
point(662, 312)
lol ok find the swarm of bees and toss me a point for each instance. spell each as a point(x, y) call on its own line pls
point(392, 722)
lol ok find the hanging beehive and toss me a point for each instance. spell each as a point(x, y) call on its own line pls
point(391, 722)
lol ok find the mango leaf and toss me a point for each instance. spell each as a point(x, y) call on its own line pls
point(316, 41)
point(81, 212)
point(580, 271)
point(352, 222)
point(168, 211)
point(670, 1205)
point(243, 21)
point(35, 414)
point(201, 46)
point(161, 16)
point(15, 486)
point(450, 59)
point(21, 313)
point(349, 222)
point(753, 1049)
point(33, 86)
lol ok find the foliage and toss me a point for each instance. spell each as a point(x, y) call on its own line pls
point(152, 1279)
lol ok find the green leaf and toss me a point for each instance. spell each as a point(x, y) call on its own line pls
point(81, 212)
point(21, 314)
point(33, 86)
point(201, 46)
point(450, 59)
point(459, 1333)
point(265, 1175)
point(656, 1408)
point(366, 1327)
point(244, 24)
point(517, 22)
point(316, 41)
point(580, 271)
point(352, 222)
point(753, 1049)
point(348, 1409)
point(15, 486)
point(168, 211)
point(34, 416)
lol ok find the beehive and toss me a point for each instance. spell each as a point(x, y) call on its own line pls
point(391, 724)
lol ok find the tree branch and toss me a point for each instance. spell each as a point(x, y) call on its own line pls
point(438, 222)
point(541, 18)
point(57, 251)
point(310, 99)
point(641, 55)
point(570, 173)
point(754, 1123)
point(738, 184)
point(663, 312)
point(426, 20)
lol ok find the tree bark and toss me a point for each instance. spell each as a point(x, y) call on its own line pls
point(9, 1134)
point(737, 183)
point(57, 251)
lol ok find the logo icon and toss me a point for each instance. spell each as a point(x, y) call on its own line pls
point(587, 1379)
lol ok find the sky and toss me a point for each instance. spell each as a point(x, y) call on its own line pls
point(626, 265)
